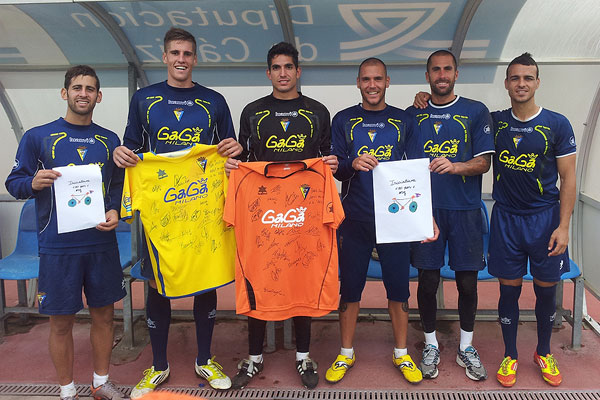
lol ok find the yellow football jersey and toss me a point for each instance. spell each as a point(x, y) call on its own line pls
point(180, 197)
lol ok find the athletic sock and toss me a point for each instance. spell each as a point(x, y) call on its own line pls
point(545, 312)
point(400, 352)
point(256, 359)
point(508, 311)
point(205, 311)
point(466, 340)
point(99, 380)
point(431, 338)
point(301, 356)
point(158, 313)
point(68, 390)
point(347, 352)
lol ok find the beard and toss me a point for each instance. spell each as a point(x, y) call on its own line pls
point(442, 92)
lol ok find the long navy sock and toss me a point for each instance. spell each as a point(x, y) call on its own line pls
point(158, 314)
point(256, 336)
point(302, 329)
point(205, 310)
point(545, 312)
point(508, 311)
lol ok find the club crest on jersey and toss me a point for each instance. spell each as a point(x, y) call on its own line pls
point(262, 190)
point(82, 151)
point(161, 174)
point(437, 126)
point(304, 189)
point(41, 296)
point(178, 113)
point(201, 161)
point(372, 133)
point(517, 139)
point(284, 124)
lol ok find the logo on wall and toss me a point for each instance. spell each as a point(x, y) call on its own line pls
point(385, 28)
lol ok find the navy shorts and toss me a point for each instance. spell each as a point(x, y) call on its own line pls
point(357, 240)
point(463, 231)
point(63, 276)
point(516, 238)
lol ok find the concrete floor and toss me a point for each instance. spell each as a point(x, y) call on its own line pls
point(26, 354)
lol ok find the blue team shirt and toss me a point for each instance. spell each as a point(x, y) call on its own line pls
point(58, 144)
point(525, 170)
point(459, 131)
point(164, 118)
point(386, 134)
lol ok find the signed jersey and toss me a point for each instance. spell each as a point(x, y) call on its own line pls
point(164, 118)
point(386, 134)
point(58, 144)
point(285, 217)
point(459, 131)
point(284, 130)
point(525, 170)
point(180, 197)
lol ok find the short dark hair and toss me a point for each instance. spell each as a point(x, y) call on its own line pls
point(524, 59)
point(372, 61)
point(174, 34)
point(282, 48)
point(442, 52)
point(79, 70)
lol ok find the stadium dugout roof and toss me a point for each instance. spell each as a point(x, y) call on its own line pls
point(49, 35)
point(332, 35)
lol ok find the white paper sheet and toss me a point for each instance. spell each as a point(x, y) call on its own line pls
point(79, 198)
point(402, 191)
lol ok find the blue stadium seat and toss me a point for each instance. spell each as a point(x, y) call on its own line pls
point(573, 273)
point(23, 263)
point(136, 271)
point(374, 271)
point(123, 232)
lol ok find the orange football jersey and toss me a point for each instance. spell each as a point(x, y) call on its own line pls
point(285, 216)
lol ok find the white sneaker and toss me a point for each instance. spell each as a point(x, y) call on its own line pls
point(213, 373)
point(149, 382)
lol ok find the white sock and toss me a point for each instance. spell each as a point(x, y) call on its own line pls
point(256, 359)
point(99, 380)
point(68, 390)
point(400, 352)
point(466, 339)
point(430, 338)
point(347, 352)
point(301, 356)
